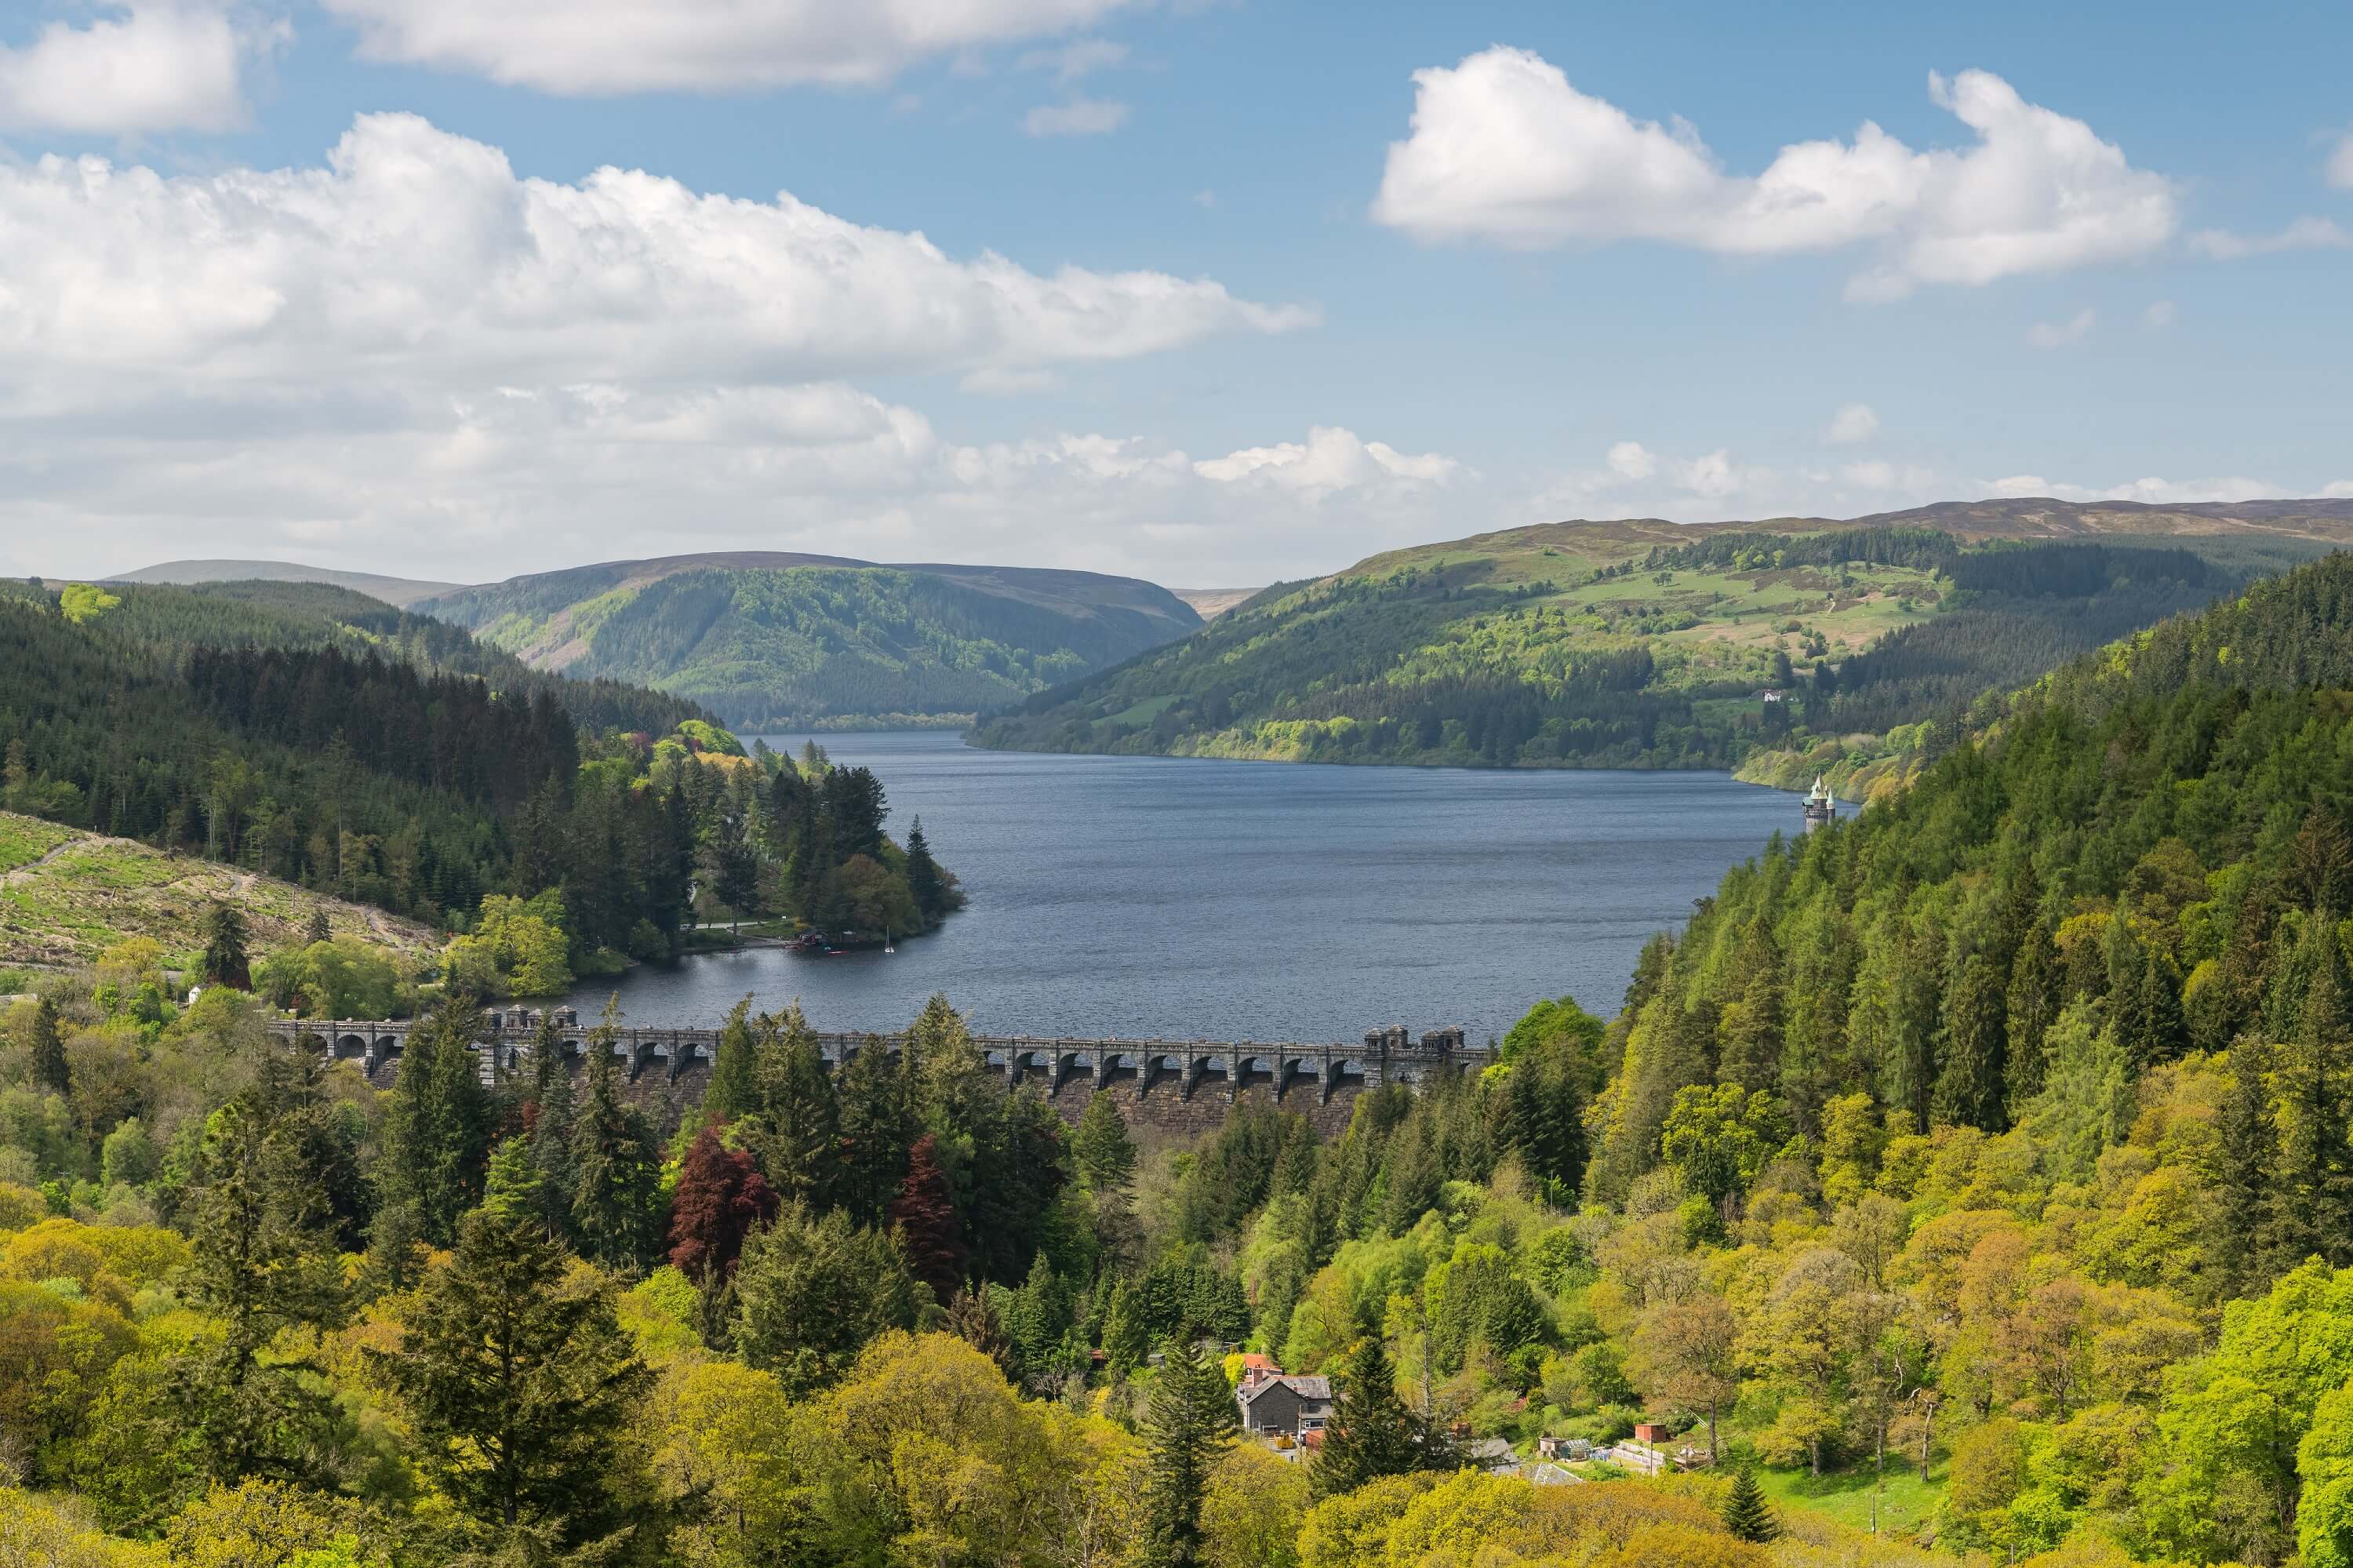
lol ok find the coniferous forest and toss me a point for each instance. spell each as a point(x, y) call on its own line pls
point(1970, 1180)
point(311, 735)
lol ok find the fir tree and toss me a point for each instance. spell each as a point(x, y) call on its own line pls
point(552, 1116)
point(436, 1127)
point(1127, 1336)
point(731, 1093)
point(511, 1193)
point(1038, 1315)
point(224, 961)
point(925, 1215)
point(318, 929)
point(1102, 1149)
point(799, 1133)
point(524, 1389)
point(811, 1290)
point(1746, 1514)
point(2249, 1147)
point(1371, 1434)
point(2309, 1206)
point(616, 1163)
point(2152, 1026)
point(879, 1122)
point(263, 1262)
point(1188, 1422)
point(1970, 1088)
point(972, 1318)
point(1752, 1031)
point(45, 1047)
point(2033, 1006)
point(923, 880)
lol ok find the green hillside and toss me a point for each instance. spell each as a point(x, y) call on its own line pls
point(1650, 644)
point(776, 641)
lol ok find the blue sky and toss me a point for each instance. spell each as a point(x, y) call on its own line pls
point(1211, 293)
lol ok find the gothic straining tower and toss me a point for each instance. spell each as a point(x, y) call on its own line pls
point(1821, 810)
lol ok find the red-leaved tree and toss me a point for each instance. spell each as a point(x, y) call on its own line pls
point(721, 1196)
point(924, 1211)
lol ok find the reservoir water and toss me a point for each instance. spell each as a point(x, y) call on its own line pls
point(1192, 899)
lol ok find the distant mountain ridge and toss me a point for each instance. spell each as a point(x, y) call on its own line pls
point(398, 592)
point(781, 639)
point(1640, 642)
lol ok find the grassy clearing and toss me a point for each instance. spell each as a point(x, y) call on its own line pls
point(1144, 712)
point(101, 890)
point(24, 840)
point(1906, 1503)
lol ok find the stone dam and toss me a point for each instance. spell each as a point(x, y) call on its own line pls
point(1175, 1085)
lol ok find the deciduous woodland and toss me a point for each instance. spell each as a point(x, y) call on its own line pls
point(1970, 1178)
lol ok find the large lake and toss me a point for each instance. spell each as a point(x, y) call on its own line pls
point(1187, 900)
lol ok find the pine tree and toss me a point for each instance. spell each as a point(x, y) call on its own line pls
point(317, 928)
point(225, 961)
point(1188, 1421)
point(1371, 1434)
point(522, 1388)
point(925, 1215)
point(731, 1093)
point(437, 1126)
point(617, 1162)
point(1746, 1514)
point(46, 1047)
point(1102, 1149)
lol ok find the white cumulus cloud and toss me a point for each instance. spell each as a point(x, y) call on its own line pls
point(1079, 57)
point(2303, 234)
point(1633, 460)
point(1330, 460)
point(2060, 335)
point(2340, 167)
point(597, 46)
point(1853, 422)
point(143, 67)
point(1502, 148)
point(2160, 314)
point(2151, 490)
point(417, 258)
point(1079, 117)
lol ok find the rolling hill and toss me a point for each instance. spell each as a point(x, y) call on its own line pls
point(396, 591)
point(1648, 643)
point(775, 639)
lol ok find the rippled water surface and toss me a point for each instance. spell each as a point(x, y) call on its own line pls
point(1183, 899)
